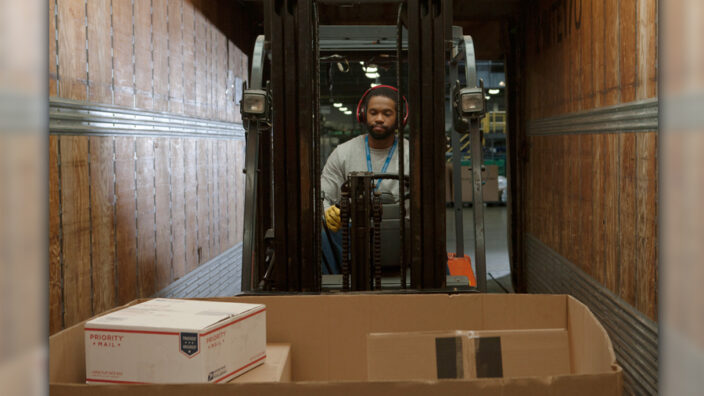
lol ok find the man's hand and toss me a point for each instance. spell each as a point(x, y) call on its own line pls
point(332, 218)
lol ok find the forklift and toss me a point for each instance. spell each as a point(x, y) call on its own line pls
point(281, 112)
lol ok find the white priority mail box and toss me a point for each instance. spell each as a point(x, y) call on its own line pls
point(175, 341)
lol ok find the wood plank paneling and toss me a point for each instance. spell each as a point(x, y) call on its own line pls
point(574, 75)
point(241, 71)
point(164, 259)
point(71, 49)
point(191, 197)
point(647, 49)
point(125, 221)
point(176, 58)
point(53, 73)
point(142, 48)
point(563, 196)
point(155, 208)
point(598, 51)
point(587, 60)
point(99, 51)
point(203, 213)
point(146, 249)
point(75, 200)
point(627, 217)
point(240, 144)
point(189, 59)
point(102, 197)
point(555, 201)
point(214, 198)
point(200, 61)
point(612, 72)
point(55, 277)
point(589, 197)
point(160, 45)
point(575, 203)
point(208, 62)
point(611, 208)
point(230, 82)
point(599, 228)
point(232, 191)
point(223, 217)
point(178, 208)
point(221, 75)
point(585, 235)
point(628, 30)
point(646, 233)
point(122, 53)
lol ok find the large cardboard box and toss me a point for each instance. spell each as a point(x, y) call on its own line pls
point(276, 368)
point(175, 341)
point(490, 188)
point(328, 336)
point(468, 354)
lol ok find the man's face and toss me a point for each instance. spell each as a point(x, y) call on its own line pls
point(381, 117)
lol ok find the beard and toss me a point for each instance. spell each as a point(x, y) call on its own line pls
point(379, 135)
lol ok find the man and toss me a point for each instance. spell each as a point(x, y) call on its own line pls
point(376, 151)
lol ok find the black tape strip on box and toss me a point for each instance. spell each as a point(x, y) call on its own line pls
point(448, 357)
point(488, 357)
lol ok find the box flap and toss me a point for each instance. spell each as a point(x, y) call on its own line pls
point(276, 367)
point(173, 314)
point(468, 354)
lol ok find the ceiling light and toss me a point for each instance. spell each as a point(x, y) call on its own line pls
point(343, 109)
point(372, 75)
point(502, 84)
point(348, 112)
point(487, 97)
point(337, 104)
point(493, 91)
point(373, 85)
point(371, 69)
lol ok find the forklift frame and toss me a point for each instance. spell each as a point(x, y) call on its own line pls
point(283, 156)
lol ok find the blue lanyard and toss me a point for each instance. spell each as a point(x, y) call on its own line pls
point(369, 160)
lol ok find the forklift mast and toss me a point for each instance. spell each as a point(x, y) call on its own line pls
point(281, 114)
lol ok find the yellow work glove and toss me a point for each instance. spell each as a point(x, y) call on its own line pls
point(332, 218)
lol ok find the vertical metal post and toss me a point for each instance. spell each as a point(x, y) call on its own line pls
point(251, 178)
point(306, 112)
point(291, 25)
point(414, 119)
point(403, 257)
point(274, 15)
point(457, 193)
point(427, 30)
point(478, 203)
point(360, 194)
point(475, 141)
point(317, 195)
point(457, 155)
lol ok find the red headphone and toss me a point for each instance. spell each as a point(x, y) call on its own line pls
point(362, 107)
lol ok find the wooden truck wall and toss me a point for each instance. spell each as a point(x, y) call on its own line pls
point(151, 185)
point(589, 173)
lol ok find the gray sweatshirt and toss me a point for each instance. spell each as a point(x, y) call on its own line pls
point(351, 157)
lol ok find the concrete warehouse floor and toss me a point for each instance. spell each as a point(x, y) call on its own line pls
point(497, 263)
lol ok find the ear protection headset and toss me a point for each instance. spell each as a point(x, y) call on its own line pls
point(362, 106)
